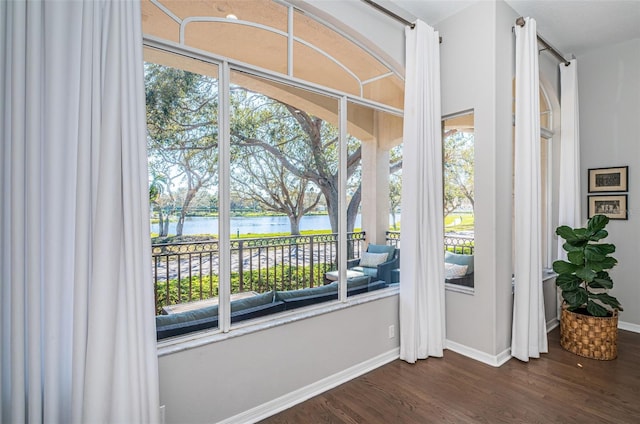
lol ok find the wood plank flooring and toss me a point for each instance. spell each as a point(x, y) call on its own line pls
point(560, 387)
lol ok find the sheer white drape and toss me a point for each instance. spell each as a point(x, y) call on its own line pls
point(422, 317)
point(529, 336)
point(77, 328)
point(569, 211)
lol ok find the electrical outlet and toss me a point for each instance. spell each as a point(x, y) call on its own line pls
point(392, 331)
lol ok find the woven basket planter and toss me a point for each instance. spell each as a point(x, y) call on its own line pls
point(591, 337)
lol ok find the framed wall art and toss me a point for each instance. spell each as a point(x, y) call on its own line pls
point(609, 179)
point(614, 206)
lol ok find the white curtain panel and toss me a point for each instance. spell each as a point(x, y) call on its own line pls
point(422, 313)
point(529, 336)
point(77, 306)
point(569, 212)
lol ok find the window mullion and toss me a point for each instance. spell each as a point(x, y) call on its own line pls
point(224, 186)
point(290, 41)
point(342, 200)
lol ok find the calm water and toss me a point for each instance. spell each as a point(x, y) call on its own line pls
point(255, 225)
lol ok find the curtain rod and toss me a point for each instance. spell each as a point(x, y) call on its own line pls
point(390, 13)
point(520, 22)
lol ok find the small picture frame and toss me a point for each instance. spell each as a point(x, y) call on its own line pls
point(609, 179)
point(614, 206)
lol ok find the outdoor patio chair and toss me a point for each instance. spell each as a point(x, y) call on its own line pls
point(377, 262)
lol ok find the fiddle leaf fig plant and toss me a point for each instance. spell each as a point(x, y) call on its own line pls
point(584, 279)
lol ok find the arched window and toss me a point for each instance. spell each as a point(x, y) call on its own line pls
point(273, 36)
point(546, 167)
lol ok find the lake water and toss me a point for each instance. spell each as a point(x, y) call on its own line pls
point(254, 225)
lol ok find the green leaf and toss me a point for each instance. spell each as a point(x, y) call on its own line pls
point(563, 267)
point(599, 235)
point(596, 310)
point(592, 254)
point(581, 233)
point(566, 233)
point(573, 247)
point(607, 263)
point(602, 281)
point(586, 274)
point(575, 298)
point(601, 249)
point(597, 223)
point(568, 282)
point(607, 300)
point(576, 257)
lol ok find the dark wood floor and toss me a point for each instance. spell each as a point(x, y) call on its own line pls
point(560, 387)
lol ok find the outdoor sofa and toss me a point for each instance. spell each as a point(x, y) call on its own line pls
point(260, 305)
point(458, 269)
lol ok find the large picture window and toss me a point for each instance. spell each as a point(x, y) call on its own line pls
point(267, 194)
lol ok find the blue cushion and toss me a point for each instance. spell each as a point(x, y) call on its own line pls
point(355, 282)
point(291, 294)
point(382, 248)
point(257, 311)
point(300, 301)
point(186, 322)
point(366, 288)
point(369, 272)
point(187, 316)
point(458, 259)
point(253, 301)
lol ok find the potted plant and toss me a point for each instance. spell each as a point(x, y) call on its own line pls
point(589, 321)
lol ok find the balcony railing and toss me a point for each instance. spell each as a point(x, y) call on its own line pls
point(185, 272)
point(452, 243)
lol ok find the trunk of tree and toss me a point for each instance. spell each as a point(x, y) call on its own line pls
point(180, 223)
point(352, 209)
point(165, 228)
point(393, 220)
point(185, 206)
point(294, 222)
point(331, 198)
point(161, 222)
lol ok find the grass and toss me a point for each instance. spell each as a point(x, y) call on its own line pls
point(155, 239)
point(459, 221)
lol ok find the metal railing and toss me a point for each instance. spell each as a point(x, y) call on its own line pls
point(459, 244)
point(185, 272)
point(393, 238)
point(452, 243)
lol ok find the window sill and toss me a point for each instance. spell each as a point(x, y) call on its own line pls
point(459, 289)
point(194, 340)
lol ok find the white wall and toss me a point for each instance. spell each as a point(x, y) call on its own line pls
point(609, 86)
point(476, 72)
point(223, 379)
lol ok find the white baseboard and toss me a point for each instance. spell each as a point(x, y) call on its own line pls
point(494, 361)
point(629, 326)
point(274, 406)
point(553, 323)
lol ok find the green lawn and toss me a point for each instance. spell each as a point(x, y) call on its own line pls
point(459, 222)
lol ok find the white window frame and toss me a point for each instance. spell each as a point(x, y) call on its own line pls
point(225, 328)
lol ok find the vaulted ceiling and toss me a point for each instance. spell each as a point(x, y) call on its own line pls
point(571, 26)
